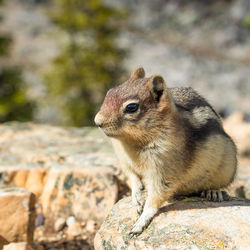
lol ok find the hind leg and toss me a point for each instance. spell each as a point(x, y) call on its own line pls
point(215, 195)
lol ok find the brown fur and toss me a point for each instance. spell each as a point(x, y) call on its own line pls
point(173, 144)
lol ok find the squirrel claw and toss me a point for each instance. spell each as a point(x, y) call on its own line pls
point(215, 195)
point(136, 231)
point(133, 235)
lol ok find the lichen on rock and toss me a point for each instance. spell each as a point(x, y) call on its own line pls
point(181, 225)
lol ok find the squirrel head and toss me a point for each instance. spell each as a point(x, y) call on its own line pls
point(136, 108)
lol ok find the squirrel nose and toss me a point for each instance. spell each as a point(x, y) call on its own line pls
point(98, 120)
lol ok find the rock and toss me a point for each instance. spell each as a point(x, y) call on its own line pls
point(59, 224)
point(39, 232)
point(74, 229)
point(84, 237)
point(247, 192)
point(40, 220)
point(91, 226)
point(240, 132)
point(35, 180)
point(18, 246)
point(71, 220)
point(84, 193)
point(39, 247)
point(72, 171)
point(3, 242)
point(187, 224)
point(17, 214)
point(83, 224)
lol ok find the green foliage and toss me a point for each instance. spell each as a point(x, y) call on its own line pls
point(89, 63)
point(246, 20)
point(5, 42)
point(13, 102)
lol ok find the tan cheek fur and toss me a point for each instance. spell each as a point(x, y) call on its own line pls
point(159, 156)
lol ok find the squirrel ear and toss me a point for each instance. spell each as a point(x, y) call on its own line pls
point(157, 86)
point(138, 73)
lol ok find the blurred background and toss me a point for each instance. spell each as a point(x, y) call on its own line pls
point(58, 58)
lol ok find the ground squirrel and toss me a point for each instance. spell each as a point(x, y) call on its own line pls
point(168, 140)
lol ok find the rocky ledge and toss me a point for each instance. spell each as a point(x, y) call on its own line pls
point(73, 173)
point(187, 224)
point(76, 180)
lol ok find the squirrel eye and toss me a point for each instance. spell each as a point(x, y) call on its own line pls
point(131, 108)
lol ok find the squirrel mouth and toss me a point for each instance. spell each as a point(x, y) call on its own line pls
point(109, 133)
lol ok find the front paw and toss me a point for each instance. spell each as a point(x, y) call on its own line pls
point(136, 230)
point(138, 201)
point(133, 234)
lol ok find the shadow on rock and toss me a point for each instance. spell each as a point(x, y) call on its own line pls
point(199, 203)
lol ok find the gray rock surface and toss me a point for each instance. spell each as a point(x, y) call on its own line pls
point(59, 224)
point(72, 171)
point(188, 224)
